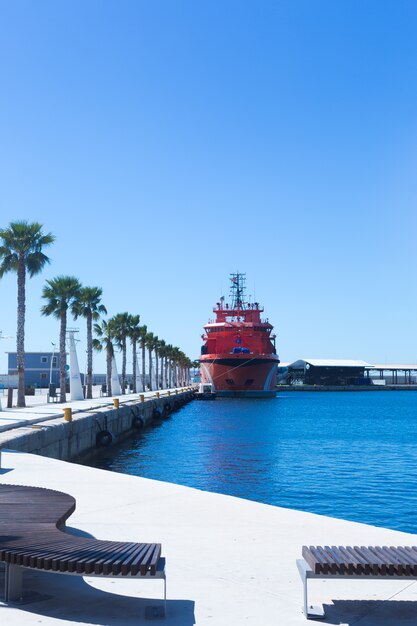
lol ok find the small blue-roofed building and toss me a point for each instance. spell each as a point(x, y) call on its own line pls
point(40, 368)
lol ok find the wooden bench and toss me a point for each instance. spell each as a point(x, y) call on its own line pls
point(32, 521)
point(346, 562)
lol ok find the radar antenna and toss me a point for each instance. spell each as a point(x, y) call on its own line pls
point(237, 290)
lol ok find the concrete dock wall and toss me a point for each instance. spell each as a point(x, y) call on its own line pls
point(90, 429)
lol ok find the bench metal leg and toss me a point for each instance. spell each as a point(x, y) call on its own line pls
point(311, 612)
point(13, 583)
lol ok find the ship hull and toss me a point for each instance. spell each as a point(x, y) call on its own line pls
point(241, 377)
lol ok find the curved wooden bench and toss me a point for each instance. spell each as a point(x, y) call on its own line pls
point(32, 521)
point(347, 562)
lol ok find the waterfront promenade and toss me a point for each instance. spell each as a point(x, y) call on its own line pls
point(230, 561)
point(39, 410)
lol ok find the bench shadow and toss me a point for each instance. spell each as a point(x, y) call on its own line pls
point(71, 598)
point(71, 530)
point(370, 612)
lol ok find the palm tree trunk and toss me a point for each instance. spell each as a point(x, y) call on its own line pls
point(166, 373)
point(89, 356)
point(62, 357)
point(156, 369)
point(109, 357)
point(134, 365)
point(162, 373)
point(143, 367)
point(20, 335)
point(124, 365)
point(150, 369)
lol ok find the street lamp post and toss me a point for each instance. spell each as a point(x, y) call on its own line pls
point(5, 337)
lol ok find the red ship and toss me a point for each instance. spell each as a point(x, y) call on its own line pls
point(238, 357)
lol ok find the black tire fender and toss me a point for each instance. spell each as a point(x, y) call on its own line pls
point(138, 423)
point(104, 438)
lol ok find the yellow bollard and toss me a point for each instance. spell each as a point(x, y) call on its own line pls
point(176, 392)
point(68, 414)
point(169, 393)
point(157, 394)
point(116, 403)
point(142, 397)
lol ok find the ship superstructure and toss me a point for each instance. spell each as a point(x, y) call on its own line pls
point(239, 356)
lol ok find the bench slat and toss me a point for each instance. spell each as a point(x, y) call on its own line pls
point(358, 560)
point(41, 543)
point(349, 566)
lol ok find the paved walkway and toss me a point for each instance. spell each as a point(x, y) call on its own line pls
point(230, 562)
point(38, 409)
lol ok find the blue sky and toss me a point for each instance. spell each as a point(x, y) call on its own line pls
point(167, 144)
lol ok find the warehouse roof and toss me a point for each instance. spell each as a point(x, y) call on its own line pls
point(301, 363)
point(395, 366)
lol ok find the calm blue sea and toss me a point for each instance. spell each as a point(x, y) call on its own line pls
point(348, 455)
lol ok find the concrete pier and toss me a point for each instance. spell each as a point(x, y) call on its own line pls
point(95, 423)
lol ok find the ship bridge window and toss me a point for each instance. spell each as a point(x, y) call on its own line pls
point(220, 329)
point(248, 381)
point(230, 381)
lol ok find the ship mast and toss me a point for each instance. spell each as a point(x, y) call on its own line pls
point(237, 290)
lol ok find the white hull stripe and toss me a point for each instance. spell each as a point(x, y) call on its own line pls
point(209, 377)
point(269, 378)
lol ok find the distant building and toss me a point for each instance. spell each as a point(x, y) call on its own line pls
point(40, 368)
point(341, 372)
point(328, 372)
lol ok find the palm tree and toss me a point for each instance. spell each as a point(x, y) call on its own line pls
point(60, 293)
point(188, 365)
point(134, 336)
point(168, 366)
point(181, 368)
point(105, 334)
point(21, 252)
point(149, 341)
point(87, 305)
point(175, 357)
point(195, 365)
point(161, 352)
point(155, 347)
point(143, 333)
point(121, 330)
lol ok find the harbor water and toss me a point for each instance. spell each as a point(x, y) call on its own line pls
point(351, 455)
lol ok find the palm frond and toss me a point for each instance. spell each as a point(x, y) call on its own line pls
point(97, 345)
point(25, 240)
